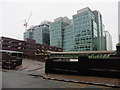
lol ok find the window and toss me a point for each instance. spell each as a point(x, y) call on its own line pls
point(88, 32)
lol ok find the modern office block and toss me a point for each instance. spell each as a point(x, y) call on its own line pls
point(57, 31)
point(108, 40)
point(104, 40)
point(40, 33)
point(84, 32)
point(28, 34)
point(69, 39)
point(98, 20)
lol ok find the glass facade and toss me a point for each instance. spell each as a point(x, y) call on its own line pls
point(108, 39)
point(68, 41)
point(28, 34)
point(39, 33)
point(84, 30)
point(83, 33)
point(95, 36)
point(100, 26)
point(57, 29)
point(56, 34)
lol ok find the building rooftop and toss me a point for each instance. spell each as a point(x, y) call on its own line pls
point(84, 9)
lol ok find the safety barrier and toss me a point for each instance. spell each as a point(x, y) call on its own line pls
point(105, 67)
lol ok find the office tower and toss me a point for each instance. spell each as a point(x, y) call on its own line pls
point(69, 39)
point(39, 33)
point(104, 40)
point(98, 20)
point(57, 31)
point(84, 32)
point(108, 40)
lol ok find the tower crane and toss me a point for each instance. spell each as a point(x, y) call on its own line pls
point(27, 21)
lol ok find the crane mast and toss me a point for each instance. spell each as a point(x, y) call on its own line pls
point(27, 21)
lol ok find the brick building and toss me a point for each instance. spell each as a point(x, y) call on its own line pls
point(30, 48)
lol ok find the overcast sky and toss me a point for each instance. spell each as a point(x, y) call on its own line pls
point(13, 13)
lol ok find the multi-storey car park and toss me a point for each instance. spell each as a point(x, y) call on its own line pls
point(30, 48)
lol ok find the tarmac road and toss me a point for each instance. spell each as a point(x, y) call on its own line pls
point(19, 79)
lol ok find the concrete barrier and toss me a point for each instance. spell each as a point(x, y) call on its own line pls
point(105, 67)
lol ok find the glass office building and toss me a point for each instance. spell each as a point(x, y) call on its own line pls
point(39, 33)
point(69, 39)
point(84, 32)
point(100, 27)
point(57, 29)
point(108, 40)
point(28, 34)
